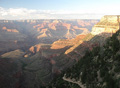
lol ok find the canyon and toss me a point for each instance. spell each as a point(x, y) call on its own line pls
point(42, 49)
point(22, 34)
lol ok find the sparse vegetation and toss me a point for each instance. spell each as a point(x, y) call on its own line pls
point(99, 68)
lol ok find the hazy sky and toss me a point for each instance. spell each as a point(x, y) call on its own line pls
point(58, 9)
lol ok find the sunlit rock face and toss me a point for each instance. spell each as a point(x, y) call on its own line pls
point(108, 24)
point(10, 30)
point(62, 43)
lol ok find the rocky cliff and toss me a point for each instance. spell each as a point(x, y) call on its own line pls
point(108, 24)
point(99, 66)
point(62, 43)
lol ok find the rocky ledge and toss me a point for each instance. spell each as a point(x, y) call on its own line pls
point(108, 24)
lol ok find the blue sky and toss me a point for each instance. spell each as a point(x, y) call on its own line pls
point(58, 9)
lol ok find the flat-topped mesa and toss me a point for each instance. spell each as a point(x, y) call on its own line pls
point(108, 24)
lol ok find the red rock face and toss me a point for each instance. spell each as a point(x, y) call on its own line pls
point(4, 28)
point(43, 30)
point(39, 26)
point(62, 28)
point(32, 49)
point(79, 37)
point(69, 42)
point(10, 30)
point(66, 25)
point(38, 31)
point(52, 26)
point(37, 48)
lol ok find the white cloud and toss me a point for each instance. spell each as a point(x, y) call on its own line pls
point(23, 13)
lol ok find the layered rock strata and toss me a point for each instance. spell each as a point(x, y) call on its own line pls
point(108, 24)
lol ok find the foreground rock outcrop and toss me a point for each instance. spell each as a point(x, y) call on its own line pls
point(108, 24)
